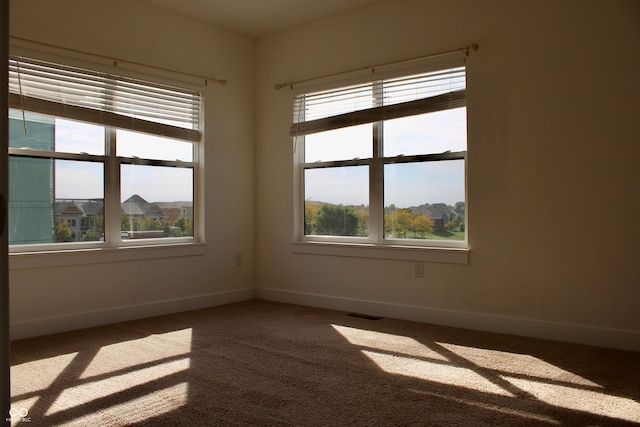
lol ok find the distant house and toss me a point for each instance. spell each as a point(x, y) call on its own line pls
point(79, 215)
point(440, 214)
point(137, 207)
point(82, 215)
point(176, 210)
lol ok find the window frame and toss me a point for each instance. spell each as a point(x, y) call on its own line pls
point(376, 245)
point(111, 248)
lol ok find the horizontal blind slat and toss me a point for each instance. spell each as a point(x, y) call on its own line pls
point(59, 72)
point(105, 118)
point(364, 96)
point(43, 84)
point(446, 101)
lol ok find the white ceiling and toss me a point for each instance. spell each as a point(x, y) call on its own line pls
point(258, 17)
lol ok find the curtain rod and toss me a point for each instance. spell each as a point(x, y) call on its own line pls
point(472, 47)
point(221, 82)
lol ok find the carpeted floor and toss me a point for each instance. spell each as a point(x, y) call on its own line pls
point(260, 363)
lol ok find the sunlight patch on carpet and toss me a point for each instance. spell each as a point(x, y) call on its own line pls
point(39, 374)
point(388, 342)
point(577, 399)
point(435, 371)
point(141, 410)
point(515, 363)
point(23, 404)
point(126, 354)
point(491, 407)
point(90, 391)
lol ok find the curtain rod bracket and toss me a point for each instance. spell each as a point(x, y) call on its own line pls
point(221, 82)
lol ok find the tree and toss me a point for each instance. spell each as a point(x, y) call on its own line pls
point(63, 232)
point(363, 221)
point(98, 226)
point(422, 224)
point(185, 225)
point(311, 210)
point(336, 221)
point(90, 236)
point(126, 223)
point(149, 224)
point(458, 222)
point(399, 222)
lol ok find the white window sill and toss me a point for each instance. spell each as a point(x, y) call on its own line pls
point(57, 258)
point(395, 252)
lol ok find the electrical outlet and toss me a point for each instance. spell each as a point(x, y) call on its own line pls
point(418, 269)
point(239, 259)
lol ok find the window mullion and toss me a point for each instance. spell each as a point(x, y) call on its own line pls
point(376, 187)
point(299, 207)
point(376, 174)
point(112, 206)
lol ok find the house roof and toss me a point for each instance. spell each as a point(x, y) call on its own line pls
point(136, 205)
point(88, 207)
point(93, 207)
point(434, 211)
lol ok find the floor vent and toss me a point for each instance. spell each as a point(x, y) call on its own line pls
point(364, 316)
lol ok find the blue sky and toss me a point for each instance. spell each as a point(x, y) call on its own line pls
point(77, 180)
point(405, 184)
point(408, 184)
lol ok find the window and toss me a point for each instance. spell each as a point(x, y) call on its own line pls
point(97, 159)
point(383, 162)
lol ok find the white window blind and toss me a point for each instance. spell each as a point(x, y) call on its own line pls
point(104, 99)
point(379, 100)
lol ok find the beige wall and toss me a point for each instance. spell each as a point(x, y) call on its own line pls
point(49, 299)
point(552, 167)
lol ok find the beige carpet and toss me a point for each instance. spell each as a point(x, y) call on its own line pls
point(268, 364)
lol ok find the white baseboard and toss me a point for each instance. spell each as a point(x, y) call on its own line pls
point(565, 332)
point(73, 321)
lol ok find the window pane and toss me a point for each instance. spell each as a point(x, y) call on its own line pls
point(424, 200)
point(430, 133)
point(336, 201)
point(47, 133)
point(79, 201)
point(77, 137)
point(339, 144)
point(134, 144)
point(54, 201)
point(157, 201)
